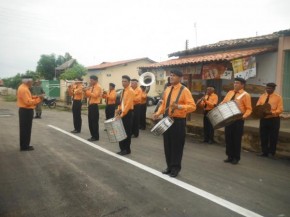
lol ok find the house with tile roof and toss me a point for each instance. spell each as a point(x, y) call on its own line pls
point(259, 59)
point(111, 72)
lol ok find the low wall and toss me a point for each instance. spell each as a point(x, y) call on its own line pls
point(250, 139)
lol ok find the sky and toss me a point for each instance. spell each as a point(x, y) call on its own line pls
point(95, 31)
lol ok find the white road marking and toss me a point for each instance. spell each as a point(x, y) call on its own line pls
point(222, 202)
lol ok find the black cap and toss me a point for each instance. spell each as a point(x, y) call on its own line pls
point(93, 77)
point(126, 77)
point(112, 85)
point(243, 81)
point(273, 85)
point(176, 72)
point(134, 79)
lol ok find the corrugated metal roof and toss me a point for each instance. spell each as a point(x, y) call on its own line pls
point(104, 65)
point(220, 56)
point(257, 41)
point(65, 65)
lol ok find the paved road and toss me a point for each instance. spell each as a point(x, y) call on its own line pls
point(68, 176)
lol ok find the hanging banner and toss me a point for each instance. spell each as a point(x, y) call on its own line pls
point(215, 71)
point(244, 67)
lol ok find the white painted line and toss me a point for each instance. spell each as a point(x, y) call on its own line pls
point(222, 202)
point(5, 115)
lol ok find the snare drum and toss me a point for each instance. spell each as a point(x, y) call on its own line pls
point(162, 126)
point(224, 114)
point(115, 130)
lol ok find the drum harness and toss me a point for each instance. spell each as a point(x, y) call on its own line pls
point(168, 100)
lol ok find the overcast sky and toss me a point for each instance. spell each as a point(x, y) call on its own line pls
point(94, 31)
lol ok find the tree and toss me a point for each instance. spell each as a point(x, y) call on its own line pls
point(76, 71)
point(46, 66)
point(15, 81)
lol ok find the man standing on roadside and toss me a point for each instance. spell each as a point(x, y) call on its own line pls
point(110, 99)
point(177, 103)
point(234, 131)
point(37, 90)
point(125, 112)
point(94, 95)
point(270, 124)
point(137, 107)
point(76, 92)
point(26, 103)
point(208, 102)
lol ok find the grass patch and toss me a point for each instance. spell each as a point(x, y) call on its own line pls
point(10, 98)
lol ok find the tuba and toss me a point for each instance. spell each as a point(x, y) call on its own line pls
point(146, 79)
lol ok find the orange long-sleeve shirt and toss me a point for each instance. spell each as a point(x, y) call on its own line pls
point(143, 97)
point(185, 101)
point(94, 93)
point(137, 97)
point(76, 91)
point(127, 103)
point(25, 99)
point(110, 97)
point(276, 102)
point(210, 101)
point(244, 102)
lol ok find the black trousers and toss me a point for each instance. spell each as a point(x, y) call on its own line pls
point(127, 122)
point(110, 111)
point(233, 137)
point(93, 119)
point(143, 110)
point(174, 139)
point(25, 126)
point(77, 116)
point(136, 120)
point(269, 133)
point(208, 130)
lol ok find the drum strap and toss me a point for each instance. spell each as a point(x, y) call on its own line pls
point(168, 100)
point(178, 96)
point(267, 100)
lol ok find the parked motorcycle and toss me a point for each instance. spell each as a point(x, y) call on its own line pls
point(49, 102)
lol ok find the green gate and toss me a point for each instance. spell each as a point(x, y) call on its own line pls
point(51, 88)
point(286, 80)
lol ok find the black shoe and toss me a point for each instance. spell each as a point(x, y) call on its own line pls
point(36, 117)
point(75, 131)
point(174, 173)
point(166, 171)
point(228, 160)
point(124, 152)
point(93, 139)
point(29, 148)
point(205, 141)
point(262, 155)
point(105, 129)
point(235, 161)
point(211, 141)
point(133, 136)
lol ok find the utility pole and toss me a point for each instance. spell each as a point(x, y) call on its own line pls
point(195, 30)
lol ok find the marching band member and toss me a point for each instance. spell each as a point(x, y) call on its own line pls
point(110, 99)
point(208, 102)
point(174, 137)
point(94, 95)
point(76, 92)
point(234, 131)
point(125, 111)
point(270, 124)
point(136, 110)
point(143, 108)
point(26, 103)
